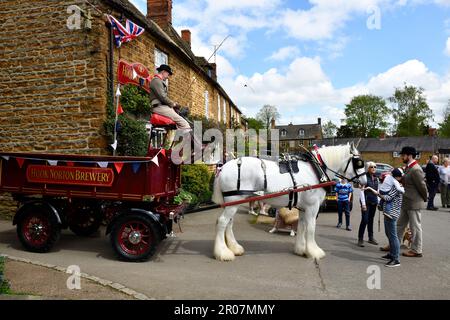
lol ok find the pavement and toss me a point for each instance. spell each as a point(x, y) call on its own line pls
point(184, 268)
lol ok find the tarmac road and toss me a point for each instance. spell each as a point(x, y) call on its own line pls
point(183, 267)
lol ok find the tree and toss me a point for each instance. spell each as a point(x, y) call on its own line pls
point(346, 131)
point(411, 113)
point(367, 115)
point(255, 124)
point(329, 130)
point(444, 127)
point(266, 114)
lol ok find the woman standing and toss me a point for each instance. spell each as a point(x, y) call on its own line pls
point(444, 176)
point(369, 202)
point(391, 193)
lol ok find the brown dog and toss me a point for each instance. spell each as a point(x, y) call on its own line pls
point(407, 237)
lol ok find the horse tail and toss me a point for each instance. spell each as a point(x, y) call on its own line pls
point(217, 196)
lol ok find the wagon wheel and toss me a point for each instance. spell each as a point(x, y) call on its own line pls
point(38, 229)
point(85, 218)
point(134, 237)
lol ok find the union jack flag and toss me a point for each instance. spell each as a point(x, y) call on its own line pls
point(124, 34)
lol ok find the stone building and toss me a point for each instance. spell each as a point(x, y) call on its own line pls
point(293, 136)
point(58, 68)
point(387, 150)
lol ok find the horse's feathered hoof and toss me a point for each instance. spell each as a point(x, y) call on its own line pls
point(238, 250)
point(316, 254)
point(224, 255)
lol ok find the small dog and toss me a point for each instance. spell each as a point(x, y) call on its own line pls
point(407, 237)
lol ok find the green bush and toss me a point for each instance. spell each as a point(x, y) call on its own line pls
point(195, 179)
point(185, 196)
point(4, 285)
point(132, 137)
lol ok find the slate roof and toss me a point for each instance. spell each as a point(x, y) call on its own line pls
point(170, 37)
point(312, 131)
point(422, 144)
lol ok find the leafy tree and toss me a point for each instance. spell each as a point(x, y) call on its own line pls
point(367, 115)
point(346, 132)
point(329, 130)
point(444, 127)
point(266, 114)
point(255, 124)
point(411, 113)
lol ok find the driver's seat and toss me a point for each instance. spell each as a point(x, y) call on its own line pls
point(158, 120)
point(162, 131)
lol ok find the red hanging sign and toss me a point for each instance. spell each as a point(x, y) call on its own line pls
point(136, 74)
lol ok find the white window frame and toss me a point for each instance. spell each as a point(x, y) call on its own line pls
point(283, 132)
point(224, 111)
point(301, 133)
point(160, 58)
point(218, 108)
point(206, 104)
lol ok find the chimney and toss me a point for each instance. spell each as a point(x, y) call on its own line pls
point(160, 11)
point(319, 121)
point(272, 123)
point(382, 135)
point(186, 36)
point(432, 132)
point(213, 69)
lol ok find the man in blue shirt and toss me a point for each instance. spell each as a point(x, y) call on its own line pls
point(344, 192)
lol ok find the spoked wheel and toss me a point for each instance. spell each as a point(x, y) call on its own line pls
point(134, 237)
point(85, 219)
point(38, 229)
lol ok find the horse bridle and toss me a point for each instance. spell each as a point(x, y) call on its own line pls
point(357, 162)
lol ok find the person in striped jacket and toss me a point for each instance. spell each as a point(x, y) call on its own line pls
point(391, 194)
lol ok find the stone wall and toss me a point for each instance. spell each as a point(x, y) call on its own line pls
point(52, 90)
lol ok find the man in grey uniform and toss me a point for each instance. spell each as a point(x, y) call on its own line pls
point(161, 104)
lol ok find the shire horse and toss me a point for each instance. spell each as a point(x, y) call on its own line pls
point(342, 161)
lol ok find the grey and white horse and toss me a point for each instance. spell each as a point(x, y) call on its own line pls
point(341, 161)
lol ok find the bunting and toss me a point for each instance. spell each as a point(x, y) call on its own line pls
point(118, 166)
point(20, 162)
point(103, 164)
point(52, 162)
point(136, 166)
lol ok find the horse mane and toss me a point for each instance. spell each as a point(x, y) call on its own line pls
point(334, 156)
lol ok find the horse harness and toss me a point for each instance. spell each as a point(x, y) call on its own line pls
point(289, 164)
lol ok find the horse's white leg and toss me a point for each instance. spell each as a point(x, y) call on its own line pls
point(300, 241)
point(312, 249)
point(221, 250)
point(231, 242)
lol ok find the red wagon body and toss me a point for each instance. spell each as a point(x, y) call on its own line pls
point(133, 196)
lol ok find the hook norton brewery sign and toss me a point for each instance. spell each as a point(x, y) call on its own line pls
point(96, 177)
point(134, 73)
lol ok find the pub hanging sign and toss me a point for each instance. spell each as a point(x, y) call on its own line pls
point(134, 73)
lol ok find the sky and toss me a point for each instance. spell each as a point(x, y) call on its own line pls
point(310, 57)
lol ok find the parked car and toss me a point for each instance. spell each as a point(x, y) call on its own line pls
point(383, 168)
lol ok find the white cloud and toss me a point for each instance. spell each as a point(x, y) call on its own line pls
point(447, 47)
point(305, 91)
point(285, 53)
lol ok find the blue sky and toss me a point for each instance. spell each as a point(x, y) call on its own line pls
point(309, 58)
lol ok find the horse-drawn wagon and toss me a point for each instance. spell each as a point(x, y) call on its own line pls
point(132, 195)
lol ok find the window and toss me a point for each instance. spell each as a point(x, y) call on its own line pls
point(218, 108)
point(207, 104)
point(224, 111)
point(160, 58)
point(283, 133)
point(301, 133)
